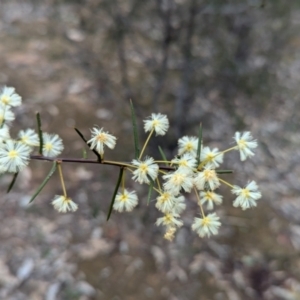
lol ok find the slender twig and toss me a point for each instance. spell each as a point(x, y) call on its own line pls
point(90, 161)
point(104, 162)
point(40, 132)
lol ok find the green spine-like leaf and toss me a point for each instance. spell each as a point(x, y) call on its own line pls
point(135, 132)
point(150, 191)
point(162, 154)
point(83, 138)
point(12, 182)
point(53, 169)
point(224, 171)
point(199, 144)
point(40, 133)
point(115, 193)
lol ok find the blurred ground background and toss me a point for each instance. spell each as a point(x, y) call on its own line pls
point(232, 65)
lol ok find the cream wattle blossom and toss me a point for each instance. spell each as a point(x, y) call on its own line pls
point(175, 181)
point(210, 198)
point(245, 143)
point(165, 202)
point(6, 115)
point(206, 226)
point(186, 162)
point(14, 156)
point(246, 197)
point(207, 178)
point(9, 97)
point(168, 203)
point(179, 205)
point(169, 235)
point(188, 144)
point(169, 220)
point(64, 204)
point(4, 134)
point(101, 138)
point(52, 145)
point(125, 201)
point(157, 122)
point(212, 158)
point(29, 137)
point(144, 169)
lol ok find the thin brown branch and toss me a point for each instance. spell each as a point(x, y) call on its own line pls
point(90, 161)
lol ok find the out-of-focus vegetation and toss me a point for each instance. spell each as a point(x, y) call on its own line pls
point(169, 54)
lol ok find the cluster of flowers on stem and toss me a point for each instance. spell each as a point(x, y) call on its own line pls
point(194, 169)
point(186, 174)
point(15, 152)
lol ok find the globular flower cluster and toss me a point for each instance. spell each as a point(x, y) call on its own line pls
point(186, 173)
point(64, 204)
point(194, 169)
point(15, 152)
point(101, 138)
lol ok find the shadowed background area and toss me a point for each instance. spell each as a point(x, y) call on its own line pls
point(231, 65)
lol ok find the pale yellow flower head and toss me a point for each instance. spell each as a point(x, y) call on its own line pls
point(157, 122)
